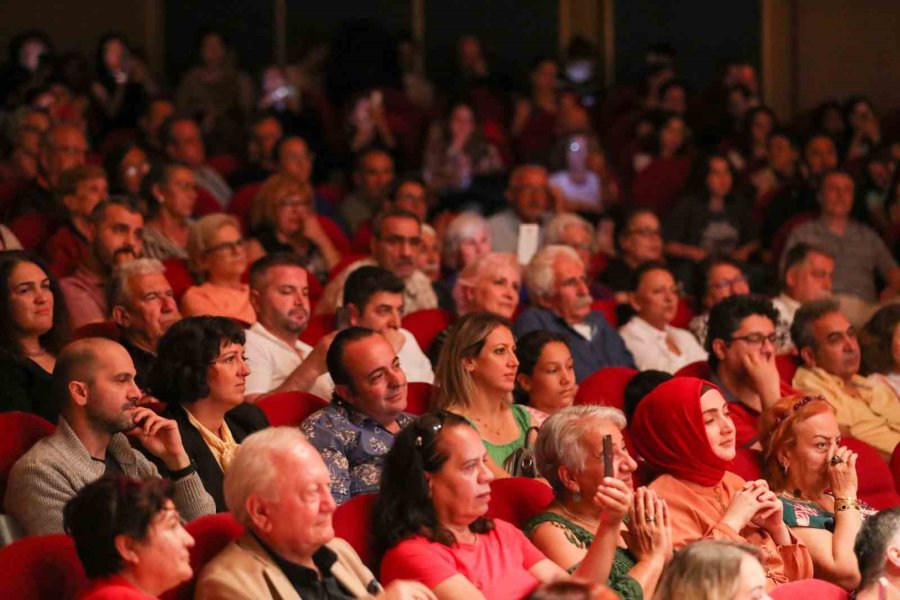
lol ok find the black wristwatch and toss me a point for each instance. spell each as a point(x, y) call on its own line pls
point(182, 473)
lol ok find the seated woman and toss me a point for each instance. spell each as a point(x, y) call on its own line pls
point(803, 458)
point(638, 240)
point(663, 170)
point(578, 184)
point(200, 372)
point(218, 253)
point(431, 525)
point(683, 432)
point(650, 338)
point(283, 219)
point(569, 454)
point(170, 195)
point(475, 378)
point(466, 238)
point(713, 570)
point(546, 377)
point(34, 326)
point(129, 538)
point(880, 352)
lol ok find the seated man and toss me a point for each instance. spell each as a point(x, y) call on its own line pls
point(373, 298)
point(142, 304)
point(877, 550)
point(558, 287)
point(741, 345)
point(94, 384)
point(278, 488)
point(807, 276)
point(80, 189)
point(867, 408)
point(529, 198)
point(396, 243)
point(115, 238)
point(373, 173)
point(184, 143)
point(717, 279)
point(279, 293)
point(859, 253)
point(355, 432)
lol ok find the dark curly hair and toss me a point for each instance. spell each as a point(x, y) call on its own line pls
point(876, 341)
point(403, 507)
point(180, 374)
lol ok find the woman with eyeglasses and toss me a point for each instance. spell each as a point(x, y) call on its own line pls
point(431, 522)
point(803, 458)
point(200, 373)
point(218, 254)
point(649, 335)
point(283, 219)
point(683, 432)
point(170, 193)
point(716, 278)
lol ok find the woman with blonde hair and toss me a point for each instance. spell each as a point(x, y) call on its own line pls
point(490, 283)
point(713, 570)
point(283, 219)
point(475, 378)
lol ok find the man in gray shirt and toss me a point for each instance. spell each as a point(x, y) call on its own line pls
point(530, 198)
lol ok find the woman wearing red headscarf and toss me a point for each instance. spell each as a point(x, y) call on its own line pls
point(683, 432)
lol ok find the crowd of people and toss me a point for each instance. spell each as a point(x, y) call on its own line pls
point(170, 260)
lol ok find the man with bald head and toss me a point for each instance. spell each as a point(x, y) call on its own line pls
point(278, 488)
point(530, 202)
point(93, 381)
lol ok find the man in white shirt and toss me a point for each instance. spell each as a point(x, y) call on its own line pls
point(279, 361)
point(373, 298)
point(807, 276)
point(652, 341)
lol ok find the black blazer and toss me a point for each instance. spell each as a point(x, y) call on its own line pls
point(242, 420)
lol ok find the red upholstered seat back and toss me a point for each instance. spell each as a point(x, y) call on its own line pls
point(318, 327)
point(41, 568)
point(748, 464)
point(607, 308)
point(290, 408)
point(353, 523)
point(605, 386)
point(211, 534)
point(876, 484)
point(418, 397)
point(698, 369)
point(104, 329)
point(20, 432)
point(807, 589)
point(517, 499)
point(425, 325)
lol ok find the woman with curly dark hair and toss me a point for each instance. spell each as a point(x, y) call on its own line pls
point(879, 341)
point(200, 372)
point(34, 326)
point(431, 524)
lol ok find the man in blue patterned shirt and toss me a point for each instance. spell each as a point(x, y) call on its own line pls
point(354, 433)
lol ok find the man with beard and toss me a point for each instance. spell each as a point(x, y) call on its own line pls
point(866, 408)
point(142, 304)
point(94, 384)
point(279, 293)
point(558, 287)
point(115, 237)
point(529, 196)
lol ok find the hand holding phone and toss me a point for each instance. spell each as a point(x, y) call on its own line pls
point(608, 456)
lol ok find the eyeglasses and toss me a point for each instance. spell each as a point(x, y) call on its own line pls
point(233, 247)
point(399, 240)
point(727, 283)
point(756, 339)
point(134, 170)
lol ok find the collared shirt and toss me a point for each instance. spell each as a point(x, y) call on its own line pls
point(85, 297)
point(648, 345)
point(271, 359)
point(872, 416)
point(604, 349)
point(352, 445)
point(309, 583)
point(858, 254)
point(787, 308)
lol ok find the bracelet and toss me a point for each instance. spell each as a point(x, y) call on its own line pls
point(182, 473)
point(841, 504)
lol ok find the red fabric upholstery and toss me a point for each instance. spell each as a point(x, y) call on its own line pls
point(353, 524)
point(20, 432)
point(787, 365)
point(319, 326)
point(346, 261)
point(179, 276)
point(241, 203)
point(809, 588)
point(206, 203)
point(895, 467)
point(660, 183)
point(362, 237)
point(290, 408)
point(748, 464)
point(517, 499)
point(605, 386)
point(41, 568)
point(224, 164)
point(211, 534)
point(695, 369)
point(876, 484)
point(104, 329)
point(608, 309)
point(426, 324)
point(683, 314)
point(335, 234)
point(418, 397)
point(332, 192)
point(33, 230)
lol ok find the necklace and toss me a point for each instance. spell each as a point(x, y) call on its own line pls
point(496, 431)
point(591, 526)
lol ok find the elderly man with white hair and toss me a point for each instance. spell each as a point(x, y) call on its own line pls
point(558, 288)
point(278, 488)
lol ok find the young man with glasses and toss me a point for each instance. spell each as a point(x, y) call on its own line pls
point(717, 278)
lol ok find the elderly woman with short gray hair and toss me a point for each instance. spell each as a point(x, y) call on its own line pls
point(570, 454)
point(466, 238)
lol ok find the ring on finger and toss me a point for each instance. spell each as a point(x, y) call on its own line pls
point(650, 518)
point(836, 460)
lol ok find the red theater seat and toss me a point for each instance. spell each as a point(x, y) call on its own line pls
point(748, 464)
point(318, 327)
point(808, 589)
point(211, 534)
point(20, 432)
point(608, 309)
point(517, 499)
point(353, 524)
point(426, 324)
point(418, 397)
point(876, 484)
point(103, 329)
point(42, 567)
point(605, 386)
point(290, 408)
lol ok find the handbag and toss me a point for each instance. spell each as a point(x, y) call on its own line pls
point(521, 462)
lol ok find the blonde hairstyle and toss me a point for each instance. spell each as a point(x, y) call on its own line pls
point(776, 431)
point(539, 277)
point(556, 228)
point(465, 339)
point(202, 232)
point(473, 273)
point(464, 225)
point(273, 189)
point(705, 570)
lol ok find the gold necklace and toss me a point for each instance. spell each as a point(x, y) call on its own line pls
point(495, 431)
point(592, 526)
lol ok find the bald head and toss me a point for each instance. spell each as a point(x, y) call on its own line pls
point(83, 361)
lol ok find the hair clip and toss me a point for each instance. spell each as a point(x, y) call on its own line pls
point(418, 442)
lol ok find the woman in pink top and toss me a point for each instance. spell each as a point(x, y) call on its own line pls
point(431, 524)
point(218, 253)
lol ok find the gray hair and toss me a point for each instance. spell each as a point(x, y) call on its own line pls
point(560, 442)
point(251, 470)
point(464, 225)
point(556, 228)
point(202, 232)
point(118, 290)
point(473, 273)
point(539, 278)
point(802, 327)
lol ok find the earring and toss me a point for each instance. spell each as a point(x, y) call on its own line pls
point(577, 496)
point(784, 467)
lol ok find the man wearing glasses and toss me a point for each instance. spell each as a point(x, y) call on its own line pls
point(717, 279)
point(741, 343)
point(529, 198)
point(827, 343)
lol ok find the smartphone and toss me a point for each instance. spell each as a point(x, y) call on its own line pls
point(607, 456)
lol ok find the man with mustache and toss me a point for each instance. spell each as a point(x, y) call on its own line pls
point(115, 235)
point(866, 408)
point(94, 384)
point(557, 285)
